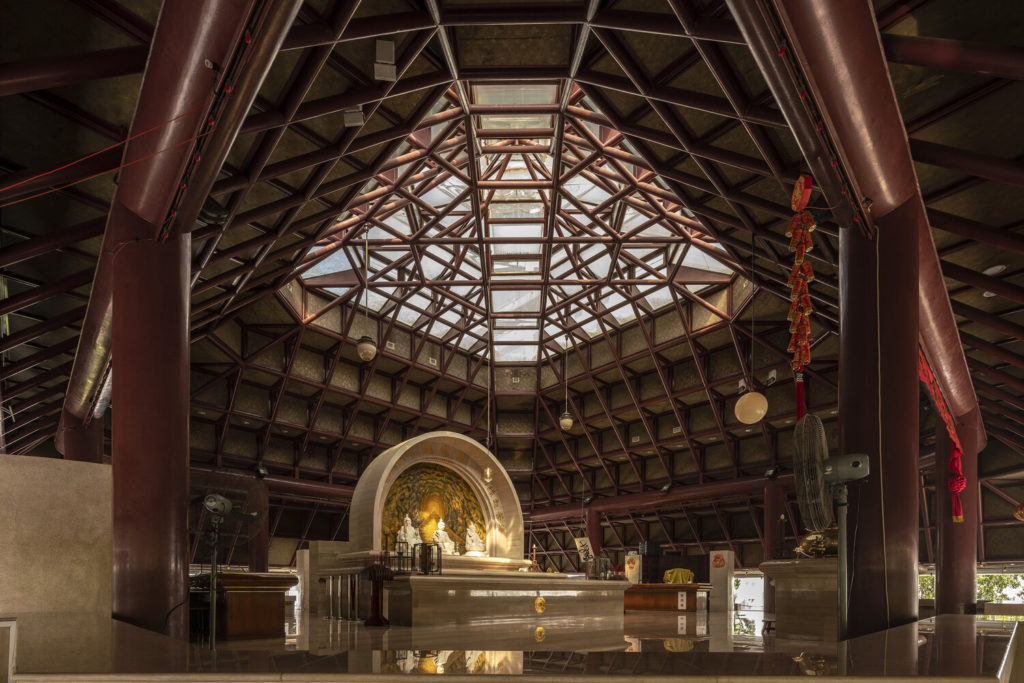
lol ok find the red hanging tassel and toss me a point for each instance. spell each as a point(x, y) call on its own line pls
point(957, 482)
point(801, 407)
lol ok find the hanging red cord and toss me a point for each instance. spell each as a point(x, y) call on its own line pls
point(113, 170)
point(101, 151)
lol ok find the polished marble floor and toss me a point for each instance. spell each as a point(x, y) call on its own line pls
point(640, 645)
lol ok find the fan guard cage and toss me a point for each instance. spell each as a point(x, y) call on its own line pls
point(810, 452)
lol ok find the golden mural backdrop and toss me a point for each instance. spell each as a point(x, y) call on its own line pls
point(429, 493)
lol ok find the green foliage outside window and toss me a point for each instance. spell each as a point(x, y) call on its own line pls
point(991, 587)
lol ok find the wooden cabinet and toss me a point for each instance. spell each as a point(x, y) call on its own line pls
point(668, 597)
point(250, 605)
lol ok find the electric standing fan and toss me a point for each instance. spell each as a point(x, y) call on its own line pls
point(821, 491)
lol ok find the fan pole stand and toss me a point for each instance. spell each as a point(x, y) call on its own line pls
point(840, 498)
point(214, 538)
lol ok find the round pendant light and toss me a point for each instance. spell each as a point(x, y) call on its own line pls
point(565, 419)
point(366, 348)
point(751, 407)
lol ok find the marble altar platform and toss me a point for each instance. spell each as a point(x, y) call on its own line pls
point(643, 646)
point(456, 598)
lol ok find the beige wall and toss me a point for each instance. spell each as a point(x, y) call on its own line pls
point(55, 531)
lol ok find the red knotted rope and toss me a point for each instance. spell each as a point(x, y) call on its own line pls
point(956, 482)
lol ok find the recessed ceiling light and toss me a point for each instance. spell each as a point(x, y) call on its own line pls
point(747, 430)
point(988, 295)
point(201, 412)
point(995, 270)
point(245, 422)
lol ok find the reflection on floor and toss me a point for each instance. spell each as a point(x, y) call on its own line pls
point(637, 644)
point(641, 643)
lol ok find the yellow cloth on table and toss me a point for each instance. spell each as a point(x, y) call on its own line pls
point(678, 576)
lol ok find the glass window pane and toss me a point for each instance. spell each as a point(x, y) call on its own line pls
point(510, 300)
point(517, 353)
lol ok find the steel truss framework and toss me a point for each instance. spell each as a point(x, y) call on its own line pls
point(661, 111)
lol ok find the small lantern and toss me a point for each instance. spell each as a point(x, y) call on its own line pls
point(366, 348)
point(565, 421)
point(1018, 512)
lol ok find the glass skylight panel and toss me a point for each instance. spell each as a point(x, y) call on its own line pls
point(530, 234)
point(695, 258)
point(584, 190)
point(519, 353)
point(335, 263)
point(435, 262)
point(513, 122)
point(452, 316)
point(517, 323)
point(376, 298)
point(437, 328)
point(516, 335)
point(557, 335)
point(515, 300)
point(514, 268)
point(506, 93)
point(515, 210)
point(516, 194)
point(408, 315)
point(592, 327)
point(658, 297)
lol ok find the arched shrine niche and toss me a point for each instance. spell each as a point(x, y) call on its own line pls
point(437, 474)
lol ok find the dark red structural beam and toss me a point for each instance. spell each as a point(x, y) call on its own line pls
point(836, 45)
point(17, 302)
point(31, 181)
point(53, 72)
point(653, 499)
point(288, 486)
point(1005, 61)
point(974, 163)
point(979, 232)
point(44, 244)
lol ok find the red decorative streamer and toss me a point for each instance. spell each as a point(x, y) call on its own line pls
point(957, 482)
point(802, 274)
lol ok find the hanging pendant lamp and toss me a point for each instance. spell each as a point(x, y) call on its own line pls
point(366, 347)
point(565, 419)
point(751, 406)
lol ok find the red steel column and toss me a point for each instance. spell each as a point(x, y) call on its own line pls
point(82, 442)
point(150, 427)
point(878, 415)
point(956, 558)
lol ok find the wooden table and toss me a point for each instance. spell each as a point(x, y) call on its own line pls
point(668, 597)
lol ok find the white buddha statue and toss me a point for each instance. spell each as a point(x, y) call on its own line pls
point(408, 534)
point(474, 544)
point(442, 539)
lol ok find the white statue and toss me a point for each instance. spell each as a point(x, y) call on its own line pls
point(442, 539)
point(474, 544)
point(408, 534)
